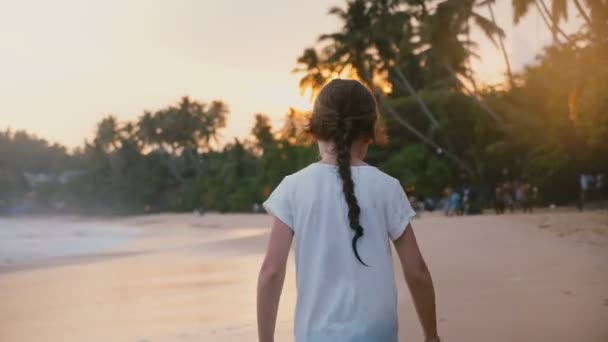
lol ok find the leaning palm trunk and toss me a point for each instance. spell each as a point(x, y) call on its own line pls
point(365, 77)
point(555, 29)
point(408, 86)
point(477, 98)
point(389, 108)
point(502, 48)
point(425, 109)
point(581, 10)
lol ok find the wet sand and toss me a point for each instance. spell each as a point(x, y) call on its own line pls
point(540, 277)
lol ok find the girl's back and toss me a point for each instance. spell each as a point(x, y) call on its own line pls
point(342, 213)
point(339, 298)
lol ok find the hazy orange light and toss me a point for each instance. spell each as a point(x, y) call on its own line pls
point(572, 113)
point(380, 80)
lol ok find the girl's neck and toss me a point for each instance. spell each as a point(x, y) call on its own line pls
point(357, 153)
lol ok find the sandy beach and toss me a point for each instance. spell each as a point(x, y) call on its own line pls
point(539, 277)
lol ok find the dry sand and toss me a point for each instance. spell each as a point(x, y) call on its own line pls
point(540, 277)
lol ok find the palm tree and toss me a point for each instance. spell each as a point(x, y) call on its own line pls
point(430, 142)
point(358, 44)
point(446, 54)
point(582, 12)
point(550, 18)
point(315, 75)
point(351, 46)
point(503, 50)
point(441, 32)
point(371, 38)
point(598, 25)
point(366, 42)
point(262, 131)
point(148, 130)
point(108, 133)
point(392, 35)
point(128, 136)
point(212, 120)
point(189, 125)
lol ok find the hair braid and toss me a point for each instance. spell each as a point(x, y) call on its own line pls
point(343, 140)
point(344, 111)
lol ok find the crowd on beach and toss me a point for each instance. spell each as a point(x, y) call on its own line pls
point(516, 194)
point(509, 196)
point(463, 200)
point(455, 201)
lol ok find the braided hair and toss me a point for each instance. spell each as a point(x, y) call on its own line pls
point(344, 111)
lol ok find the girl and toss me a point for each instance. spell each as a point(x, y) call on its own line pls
point(342, 213)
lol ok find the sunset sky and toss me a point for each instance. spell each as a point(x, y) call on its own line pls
point(65, 64)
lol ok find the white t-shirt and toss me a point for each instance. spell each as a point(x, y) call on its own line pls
point(338, 298)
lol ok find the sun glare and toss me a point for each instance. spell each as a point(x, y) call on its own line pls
point(308, 94)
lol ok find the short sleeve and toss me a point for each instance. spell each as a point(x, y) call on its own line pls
point(279, 205)
point(399, 212)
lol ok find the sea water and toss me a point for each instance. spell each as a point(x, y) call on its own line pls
point(31, 240)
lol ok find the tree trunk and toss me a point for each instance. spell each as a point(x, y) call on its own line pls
point(365, 76)
point(546, 15)
point(581, 10)
point(470, 75)
point(476, 97)
point(170, 162)
point(502, 48)
point(408, 86)
point(384, 102)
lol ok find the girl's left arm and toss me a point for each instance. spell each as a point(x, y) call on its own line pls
point(270, 280)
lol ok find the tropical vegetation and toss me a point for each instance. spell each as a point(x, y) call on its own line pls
point(546, 123)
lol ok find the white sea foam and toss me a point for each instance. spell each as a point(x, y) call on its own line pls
point(26, 240)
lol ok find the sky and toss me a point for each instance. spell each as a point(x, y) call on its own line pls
point(66, 64)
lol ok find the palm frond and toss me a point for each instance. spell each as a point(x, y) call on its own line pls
point(337, 11)
point(559, 10)
point(337, 37)
point(489, 28)
point(520, 8)
point(485, 3)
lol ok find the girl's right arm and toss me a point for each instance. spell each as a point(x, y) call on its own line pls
point(419, 281)
point(270, 280)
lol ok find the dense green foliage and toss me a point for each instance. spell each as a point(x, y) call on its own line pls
point(546, 124)
point(135, 167)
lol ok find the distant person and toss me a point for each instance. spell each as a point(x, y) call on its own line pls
point(447, 195)
point(499, 200)
point(517, 194)
point(466, 199)
point(523, 194)
point(257, 208)
point(508, 196)
point(342, 213)
point(429, 204)
point(591, 187)
point(200, 210)
point(421, 206)
point(455, 205)
point(584, 181)
point(600, 184)
point(534, 197)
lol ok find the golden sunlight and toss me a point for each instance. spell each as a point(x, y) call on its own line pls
point(310, 91)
